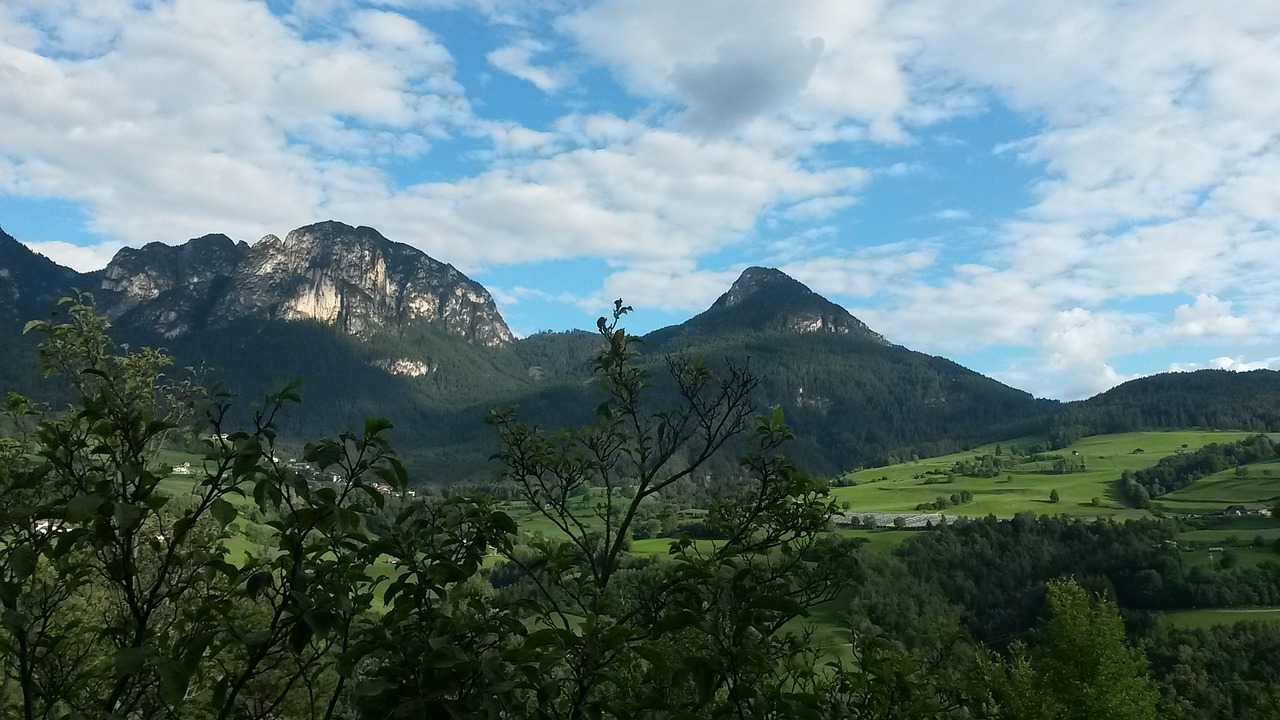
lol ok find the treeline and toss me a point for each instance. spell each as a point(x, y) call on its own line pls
point(1181, 469)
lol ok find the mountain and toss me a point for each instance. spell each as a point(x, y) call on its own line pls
point(352, 279)
point(30, 285)
point(768, 300)
point(377, 328)
point(852, 397)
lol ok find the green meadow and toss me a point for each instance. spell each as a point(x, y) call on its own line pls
point(1026, 487)
point(1021, 488)
point(1195, 619)
point(1260, 486)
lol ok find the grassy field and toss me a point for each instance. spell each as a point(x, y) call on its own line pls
point(1026, 487)
point(1245, 556)
point(1231, 535)
point(1215, 493)
point(1021, 488)
point(1192, 619)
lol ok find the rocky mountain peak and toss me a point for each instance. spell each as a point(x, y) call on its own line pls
point(757, 279)
point(769, 300)
point(140, 275)
point(352, 278)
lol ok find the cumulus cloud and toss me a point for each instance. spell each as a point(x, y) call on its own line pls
point(680, 289)
point(1152, 142)
point(746, 77)
point(183, 117)
point(1236, 364)
point(1209, 316)
point(814, 65)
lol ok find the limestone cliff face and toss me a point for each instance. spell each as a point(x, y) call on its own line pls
point(351, 278)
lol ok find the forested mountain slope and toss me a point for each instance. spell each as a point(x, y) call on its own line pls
point(1203, 399)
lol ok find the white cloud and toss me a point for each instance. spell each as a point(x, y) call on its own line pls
point(658, 197)
point(810, 63)
point(517, 59)
point(672, 289)
point(1236, 364)
point(1153, 144)
point(77, 257)
point(197, 115)
point(862, 274)
point(1209, 316)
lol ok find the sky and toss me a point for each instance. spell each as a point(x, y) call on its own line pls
point(1063, 196)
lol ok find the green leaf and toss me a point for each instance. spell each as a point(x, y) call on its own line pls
point(299, 636)
point(375, 426)
point(23, 561)
point(174, 680)
point(777, 603)
point(14, 621)
point(223, 511)
point(156, 501)
point(128, 517)
point(130, 660)
point(83, 507)
point(256, 583)
point(323, 454)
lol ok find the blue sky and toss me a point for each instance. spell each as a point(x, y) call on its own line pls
point(1060, 195)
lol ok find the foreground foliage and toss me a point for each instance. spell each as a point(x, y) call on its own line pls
point(120, 600)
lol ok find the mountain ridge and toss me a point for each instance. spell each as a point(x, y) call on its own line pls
point(352, 278)
point(378, 328)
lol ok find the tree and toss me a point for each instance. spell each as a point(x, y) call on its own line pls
point(120, 597)
point(1053, 496)
point(700, 633)
point(1079, 668)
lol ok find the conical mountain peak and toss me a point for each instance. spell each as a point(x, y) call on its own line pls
point(755, 280)
point(767, 300)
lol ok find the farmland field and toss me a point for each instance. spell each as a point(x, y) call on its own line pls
point(1020, 488)
point(1191, 619)
point(1026, 487)
point(1260, 486)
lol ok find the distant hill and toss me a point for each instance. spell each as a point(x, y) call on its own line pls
point(1206, 399)
point(375, 327)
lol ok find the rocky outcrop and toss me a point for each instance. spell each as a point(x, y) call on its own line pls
point(351, 278)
